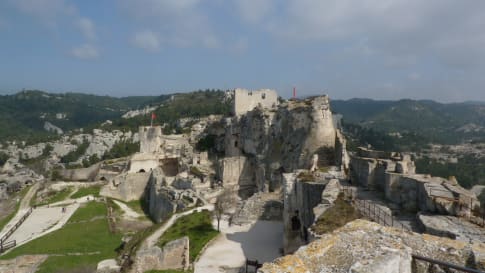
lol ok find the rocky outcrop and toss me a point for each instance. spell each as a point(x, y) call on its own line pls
point(49, 127)
point(108, 266)
point(263, 143)
point(365, 247)
point(164, 199)
point(451, 227)
point(174, 255)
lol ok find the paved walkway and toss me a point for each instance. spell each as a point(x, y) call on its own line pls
point(260, 241)
point(23, 208)
point(128, 212)
point(44, 219)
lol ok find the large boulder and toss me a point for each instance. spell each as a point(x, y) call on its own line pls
point(451, 227)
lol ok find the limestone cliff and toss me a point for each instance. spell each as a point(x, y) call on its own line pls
point(264, 143)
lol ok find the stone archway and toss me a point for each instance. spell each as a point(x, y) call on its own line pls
point(141, 171)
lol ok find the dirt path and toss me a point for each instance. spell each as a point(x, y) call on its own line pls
point(127, 211)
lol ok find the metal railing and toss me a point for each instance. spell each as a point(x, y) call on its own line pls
point(446, 264)
point(378, 215)
point(15, 227)
point(372, 211)
point(6, 246)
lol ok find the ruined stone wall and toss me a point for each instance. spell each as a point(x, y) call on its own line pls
point(174, 255)
point(143, 165)
point(150, 139)
point(417, 192)
point(300, 198)
point(246, 100)
point(127, 186)
point(160, 202)
point(81, 174)
point(308, 196)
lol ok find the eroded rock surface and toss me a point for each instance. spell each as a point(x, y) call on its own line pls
point(362, 246)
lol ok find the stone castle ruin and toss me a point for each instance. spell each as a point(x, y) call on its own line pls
point(246, 100)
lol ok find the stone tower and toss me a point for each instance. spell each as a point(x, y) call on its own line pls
point(150, 139)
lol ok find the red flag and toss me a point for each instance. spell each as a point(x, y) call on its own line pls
point(153, 116)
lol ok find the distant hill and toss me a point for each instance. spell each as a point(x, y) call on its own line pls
point(22, 115)
point(182, 105)
point(433, 121)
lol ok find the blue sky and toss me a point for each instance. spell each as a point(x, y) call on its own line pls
point(433, 49)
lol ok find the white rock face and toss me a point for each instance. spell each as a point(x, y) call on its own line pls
point(134, 113)
point(52, 128)
point(61, 115)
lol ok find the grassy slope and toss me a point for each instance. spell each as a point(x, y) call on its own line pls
point(197, 226)
point(77, 244)
point(337, 216)
point(94, 191)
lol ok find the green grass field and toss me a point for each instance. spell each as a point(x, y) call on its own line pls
point(197, 226)
point(77, 244)
point(94, 191)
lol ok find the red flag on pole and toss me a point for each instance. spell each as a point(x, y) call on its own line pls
point(153, 117)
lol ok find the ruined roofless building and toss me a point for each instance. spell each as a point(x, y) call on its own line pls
point(246, 100)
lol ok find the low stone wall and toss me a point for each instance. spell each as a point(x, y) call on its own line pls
point(174, 255)
point(82, 174)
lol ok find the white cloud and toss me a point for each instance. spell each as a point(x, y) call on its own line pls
point(87, 28)
point(147, 40)
point(85, 52)
point(399, 30)
point(181, 23)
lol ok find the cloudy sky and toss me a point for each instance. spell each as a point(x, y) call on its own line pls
point(432, 49)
